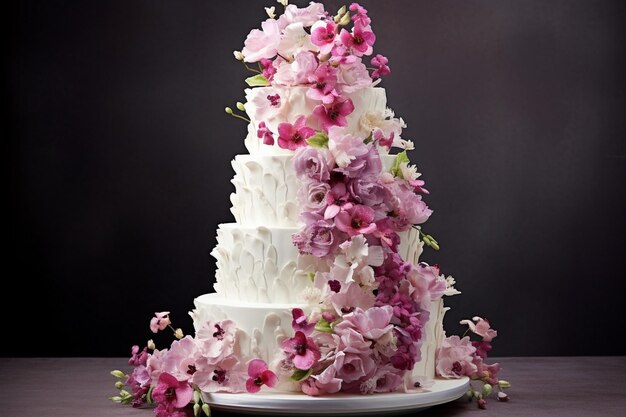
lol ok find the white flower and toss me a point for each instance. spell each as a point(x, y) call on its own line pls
point(238, 55)
point(295, 39)
point(450, 290)
point(404, 144)
point(270, 12)
point(409, 172)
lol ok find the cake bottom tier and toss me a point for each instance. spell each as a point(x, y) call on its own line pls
point(262, 327)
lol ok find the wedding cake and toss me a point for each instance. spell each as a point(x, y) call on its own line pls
point(319, 286)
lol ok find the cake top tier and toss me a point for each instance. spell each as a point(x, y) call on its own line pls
point(314, 71)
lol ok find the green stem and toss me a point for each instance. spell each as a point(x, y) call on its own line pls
point(251, 69)
point(245, 119)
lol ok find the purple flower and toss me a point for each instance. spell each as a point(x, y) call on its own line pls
point(355, 220)
point(300, 322)
point(312, 163)
point(334, 114)
point(139, 382)
point(303, 351)
point(171, 395)
point(293, 136)
point(259, 376)
point(317, 238)
point(265, 133)
point(160, 321)
point(313, 194)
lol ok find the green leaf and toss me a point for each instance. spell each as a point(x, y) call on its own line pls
point(300, 375)
point(400, 159)
point(324, 326)
point(257, 81)
point(318, 140)
point(312, 276)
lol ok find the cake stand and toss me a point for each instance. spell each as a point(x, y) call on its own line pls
point(272, 403)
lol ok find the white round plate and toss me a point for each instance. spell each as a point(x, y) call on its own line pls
point(443, 391)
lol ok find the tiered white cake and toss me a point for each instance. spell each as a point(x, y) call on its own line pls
point(260, 275)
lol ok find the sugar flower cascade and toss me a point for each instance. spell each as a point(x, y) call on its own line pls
point(369, 307)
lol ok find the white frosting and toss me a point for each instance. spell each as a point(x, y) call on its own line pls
point(265, 191)
point(258, 265)
point(293, 102)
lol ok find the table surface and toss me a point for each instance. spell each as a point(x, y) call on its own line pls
point(542, 386)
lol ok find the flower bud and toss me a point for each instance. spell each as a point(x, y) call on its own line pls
point(151, 344)
point(487, 390)
point(482, 404)
point(502, 396)
point(228, 110)
point(240, 106)
point(196, 396)
point(206, 409)
point(118, 374)
point(270, 12)
point(238, 55)
point(196, 410)
point(116, 399)
point(345, 20)
point(283, 2)
point(178, 333)
point(504, 384)
point(119, 385)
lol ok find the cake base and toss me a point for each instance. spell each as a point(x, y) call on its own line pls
point(274, 403)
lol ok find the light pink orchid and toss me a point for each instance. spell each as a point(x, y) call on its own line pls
point(259, 375)
point(455, 358)
point(262, 43)
point(481, 328)
point(294, 136)
point(160, 321)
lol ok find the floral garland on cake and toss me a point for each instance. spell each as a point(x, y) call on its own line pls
point(365, 332)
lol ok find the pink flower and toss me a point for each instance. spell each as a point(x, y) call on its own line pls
point(265, 133)
point(455, 358)
point(314, 196)
point(293, 136)
point(426, 283)
point(317, 238)
point(323, 35)
point(262, 43)
point(358, 219)
point(360, 41)
point(380, 62)
point(345, 148)
point(139, 382)
point(297, 72)
point(160, 321)
point(373, 323)
point(306, 15)
point(300, 322)
point(269, 70)
point(334, 114)
point(303, 350)
point(313, 163)
point(360, 17)
point(138, 358)
point(216, 341)
point(182, 360)
point(385, 379)
point(353, 76)
point(484, 372)
point(323, 82)
point(352, 367)
point(481, 328)
point(171, 395)
point(259, 376)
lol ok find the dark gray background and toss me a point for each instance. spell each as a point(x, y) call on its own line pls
point(118, 162)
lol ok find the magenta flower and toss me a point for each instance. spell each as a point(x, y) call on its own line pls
point(334, 114)
point(360, 41)
point(300, 322)
point(380, 62)
point(160, 321)
point(269, 70)
point(171, 395)
point(265, 133)
point(323, 84)
point(303, 350)
point(323, 35)
point(259, 376)
point(358, 219)
point(360, 17)
point(293, 136)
